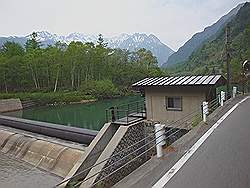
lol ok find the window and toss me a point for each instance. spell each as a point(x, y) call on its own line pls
point(174, 103)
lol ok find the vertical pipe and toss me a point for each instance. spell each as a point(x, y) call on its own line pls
point(234, 91)
point(205, 110)
point(113, 114)
point(163, 142)
point(107, 119)
point(222, 98)
point(159, 139)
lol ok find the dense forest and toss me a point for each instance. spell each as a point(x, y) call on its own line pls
point(210, 57)
point(94, 70)
point(86, 70)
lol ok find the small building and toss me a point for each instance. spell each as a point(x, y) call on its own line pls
point(171, 98)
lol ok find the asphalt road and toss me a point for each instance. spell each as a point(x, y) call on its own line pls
point(223, 160)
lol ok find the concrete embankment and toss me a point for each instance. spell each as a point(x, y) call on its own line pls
point(56, 158)
point(8, 105)
point(91, 155)
point(105, 156)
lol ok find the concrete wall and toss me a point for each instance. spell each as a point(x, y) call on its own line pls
point(8, 105)
point(192, 98)
point(124, 137)
point(55, 158)
point(92, 153)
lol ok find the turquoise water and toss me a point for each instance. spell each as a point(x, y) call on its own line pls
point(90, 116)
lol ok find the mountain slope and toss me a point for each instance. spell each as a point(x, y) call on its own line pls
point(137, 41)
point(209, 58)
point(124, 41)
point(199, 38)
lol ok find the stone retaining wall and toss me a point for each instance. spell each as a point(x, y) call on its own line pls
point(134, 134)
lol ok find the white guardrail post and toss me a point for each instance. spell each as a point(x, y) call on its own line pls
point(160, 139)
point(222, 97)
point(163, 135)
point(234, 92)
point(205, 110)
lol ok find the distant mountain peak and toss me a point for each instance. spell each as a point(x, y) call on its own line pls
point(131, 42)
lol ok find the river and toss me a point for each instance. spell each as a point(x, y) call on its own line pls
point(89, 116)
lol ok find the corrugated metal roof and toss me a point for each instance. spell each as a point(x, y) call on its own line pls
point(183, 80)
point(165, 81)
point(171, 81)
point(180, 80)
point(160, 81)
point(214, 80)
point(195, 80)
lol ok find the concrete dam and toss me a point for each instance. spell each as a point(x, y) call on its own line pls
point(72, 154)
point(50, 147)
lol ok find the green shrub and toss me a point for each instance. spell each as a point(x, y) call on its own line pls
point(100, 89)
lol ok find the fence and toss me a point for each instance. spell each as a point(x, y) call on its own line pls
point(126, 113)
point(168, 134)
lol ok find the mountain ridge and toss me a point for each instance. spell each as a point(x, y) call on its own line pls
point(131, 42)
point(210, 57)
point(185, 51)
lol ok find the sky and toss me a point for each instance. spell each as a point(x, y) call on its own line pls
point(172, 21)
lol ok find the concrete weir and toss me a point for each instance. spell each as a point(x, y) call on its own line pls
point(79, 135)
point(56, 158)
point(23, 139)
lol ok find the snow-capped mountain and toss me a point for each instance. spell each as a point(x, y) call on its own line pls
point(124, 41)
point(44, 36)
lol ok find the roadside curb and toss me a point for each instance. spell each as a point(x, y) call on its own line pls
point(179, 148)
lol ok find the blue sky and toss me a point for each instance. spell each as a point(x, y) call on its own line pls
point(172, 21)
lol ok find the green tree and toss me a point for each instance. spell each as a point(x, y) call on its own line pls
point(10, 49)
point(32, 43)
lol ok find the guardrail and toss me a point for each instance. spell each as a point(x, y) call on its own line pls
point(126, 113)
point(163, 135)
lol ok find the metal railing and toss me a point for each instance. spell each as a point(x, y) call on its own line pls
point(127, 112)
point(141, 147)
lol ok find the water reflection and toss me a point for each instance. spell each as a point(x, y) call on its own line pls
point(90, 116)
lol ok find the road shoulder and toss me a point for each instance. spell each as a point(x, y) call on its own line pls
point(152, 170)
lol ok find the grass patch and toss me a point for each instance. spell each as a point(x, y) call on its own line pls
point(196, 120)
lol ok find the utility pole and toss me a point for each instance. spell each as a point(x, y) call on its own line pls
point(228, 57)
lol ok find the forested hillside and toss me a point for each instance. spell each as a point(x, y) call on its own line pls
point(210, 58)
point(200, 38)
point(94, 70)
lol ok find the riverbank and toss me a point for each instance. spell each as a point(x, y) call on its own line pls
point(59, 98)
point(50, 98)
